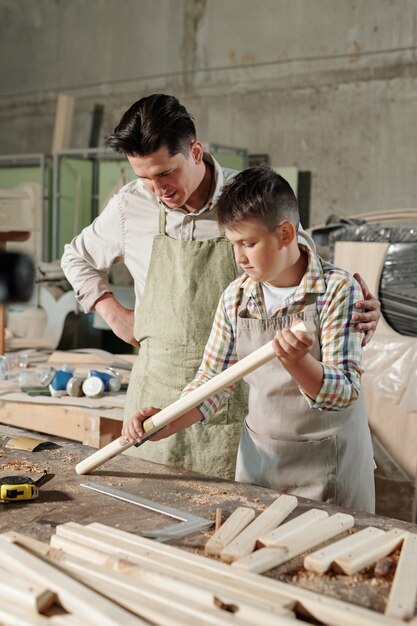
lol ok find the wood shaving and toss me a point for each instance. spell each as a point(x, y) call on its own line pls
point(21, 466)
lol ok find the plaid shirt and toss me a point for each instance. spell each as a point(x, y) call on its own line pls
point(340, 343)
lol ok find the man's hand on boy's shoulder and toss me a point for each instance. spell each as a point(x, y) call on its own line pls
point(368, 312)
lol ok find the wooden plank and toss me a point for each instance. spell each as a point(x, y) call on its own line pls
point(79, 424)
point(17, 616)
point(170, 597)
point(267, 558)
point(237, 521)
point(379, 547)
point(321, 560)
point(245, 542)
point(185, 587)
point(303, 521)
point(74, 597)
point(402, 597)
point(20, 592)
point(170, 560)
point(327, 610)
point(63, 123)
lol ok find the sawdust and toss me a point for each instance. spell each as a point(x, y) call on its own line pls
point(21, 466)
point(65, 456)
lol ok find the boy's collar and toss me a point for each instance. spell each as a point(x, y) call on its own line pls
point(312, 281)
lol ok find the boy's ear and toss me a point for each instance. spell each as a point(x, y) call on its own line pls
point(287, 233)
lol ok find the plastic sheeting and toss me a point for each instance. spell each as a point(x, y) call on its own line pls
point(398, 286)
point(390, 383)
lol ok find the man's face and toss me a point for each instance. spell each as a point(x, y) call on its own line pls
point(173, 179)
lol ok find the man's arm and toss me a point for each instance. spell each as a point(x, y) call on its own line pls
point(119, 318)
point(86, 263)
point(370, 311)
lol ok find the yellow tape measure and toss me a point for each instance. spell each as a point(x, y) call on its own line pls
point(14, 488)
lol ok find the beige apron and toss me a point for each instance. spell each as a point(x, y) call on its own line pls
point(184, 283)
point(323, 455)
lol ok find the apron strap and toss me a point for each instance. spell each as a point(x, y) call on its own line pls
point(162, 220)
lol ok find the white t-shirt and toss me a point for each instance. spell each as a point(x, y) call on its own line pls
point(275, 296)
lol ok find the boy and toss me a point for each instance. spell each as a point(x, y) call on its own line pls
point(306, 431)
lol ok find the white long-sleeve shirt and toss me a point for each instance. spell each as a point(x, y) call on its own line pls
point(124, 232)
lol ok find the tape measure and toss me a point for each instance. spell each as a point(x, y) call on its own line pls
point(14, 488)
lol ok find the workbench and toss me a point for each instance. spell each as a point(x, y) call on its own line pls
point(62, 500)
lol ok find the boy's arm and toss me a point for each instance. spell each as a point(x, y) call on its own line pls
point(368, 308)
point(334, 382)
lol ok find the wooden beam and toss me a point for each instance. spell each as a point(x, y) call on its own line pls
point(237, 521)
point(402, 597)
point(361, 557)
point(63, 123)
point(327, 610)
point(301, 522)
point(68, 552)
point(245, 542)
point(20, 592)
point(70, 422)
point(74, 597)
point(321, 560)
point(267, 558)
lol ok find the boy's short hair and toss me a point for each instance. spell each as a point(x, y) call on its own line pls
point(152, 123)
point(258, 193)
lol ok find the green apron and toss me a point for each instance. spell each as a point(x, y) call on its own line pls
point(184, 283)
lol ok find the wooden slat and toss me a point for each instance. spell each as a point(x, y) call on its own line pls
point(186, 587)
point(363, 556)
point(20, 592)
point(245, 542)
point(321, 560)
point(163, 599)
point(402, 597)
point(267, 558)
point(75, 597)
point(327, 610)
point(301, 522)
point(238, 520)
point(171, 562)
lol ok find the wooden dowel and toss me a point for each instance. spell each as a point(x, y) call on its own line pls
point(223, 380)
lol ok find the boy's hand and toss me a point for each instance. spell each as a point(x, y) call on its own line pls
point(366, 320)
point(292, 345)
point(133, 430)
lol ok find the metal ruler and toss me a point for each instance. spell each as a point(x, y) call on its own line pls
point(190, 523)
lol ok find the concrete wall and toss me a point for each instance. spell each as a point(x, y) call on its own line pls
point(329, 86)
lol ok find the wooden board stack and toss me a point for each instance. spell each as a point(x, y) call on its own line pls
point(106, 577)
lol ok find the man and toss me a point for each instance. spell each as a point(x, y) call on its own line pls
point(163, 227)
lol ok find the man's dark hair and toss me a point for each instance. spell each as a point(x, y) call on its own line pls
point(152, 123)
point(258, 193)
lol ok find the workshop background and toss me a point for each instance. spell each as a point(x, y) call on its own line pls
point(327, 86)
point(325, 91)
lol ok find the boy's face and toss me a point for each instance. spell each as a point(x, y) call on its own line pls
point(173, 179)
point(263, 255)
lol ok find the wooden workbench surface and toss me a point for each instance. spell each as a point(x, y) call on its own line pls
point(63, 500)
